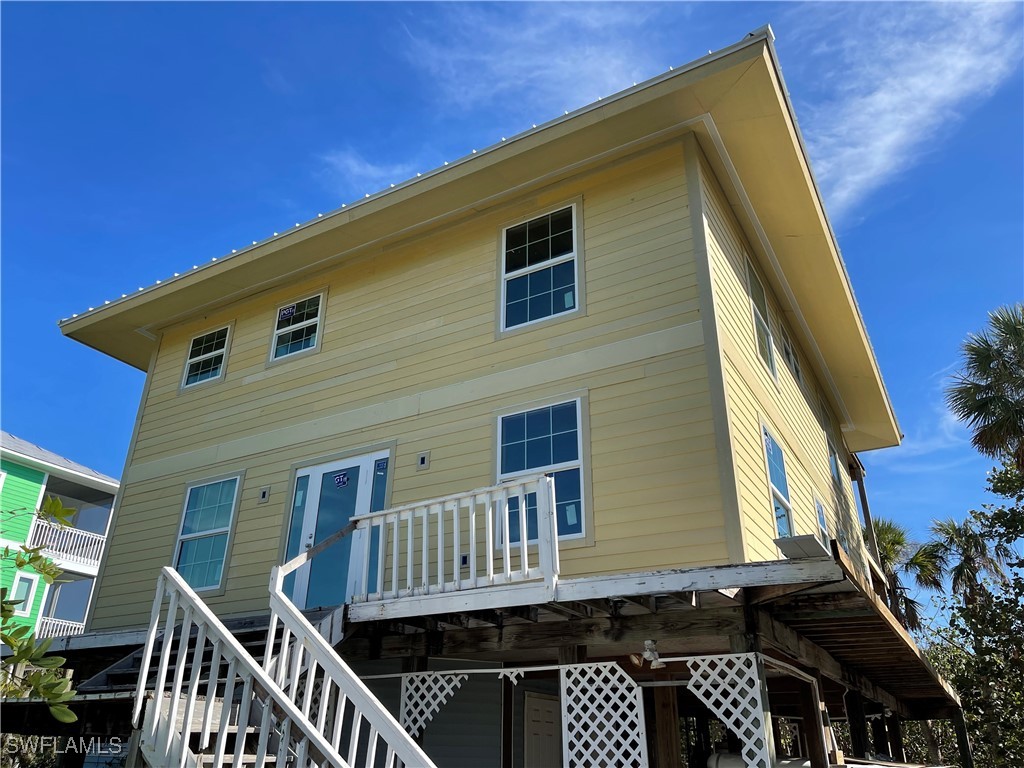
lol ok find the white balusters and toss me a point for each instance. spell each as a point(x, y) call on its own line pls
point(70, 545)
point(420, 547)
point(189, 696)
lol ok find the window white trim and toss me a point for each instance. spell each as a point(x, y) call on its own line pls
point(777, 494)
point(225, 530)
point(823, 534)
point(25, 609)
point(574, 256)
point(789, 353)
point(761, 322)
point(221, 351)
point(314, 322)
point(548, 469)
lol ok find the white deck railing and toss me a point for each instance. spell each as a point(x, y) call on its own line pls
point(456, 543)
point(307, 708)
point(51, 627)
point(68, 544)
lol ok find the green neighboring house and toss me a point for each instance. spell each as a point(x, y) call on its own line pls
point(28, 474)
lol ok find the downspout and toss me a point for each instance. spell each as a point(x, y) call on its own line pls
point(858, 475)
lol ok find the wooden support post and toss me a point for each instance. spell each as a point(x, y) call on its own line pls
point(572, 654)
point(704, 747)
point(963, 743)
point(879, 738)
point(812, 726)
point(854, 705)
point(668, 748)
point(896, 748)
point(865, 508)
point(776, 731)
point(508, 703)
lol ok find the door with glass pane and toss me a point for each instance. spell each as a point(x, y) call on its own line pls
point(326, 498)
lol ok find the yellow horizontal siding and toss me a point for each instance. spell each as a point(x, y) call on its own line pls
point(418, 317)
point(788, 407)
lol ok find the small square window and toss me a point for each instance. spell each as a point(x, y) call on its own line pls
point(545, 440)
point(206, 358)
point(205, 525)
point(297, 327)
point(24, 590)
point(540, 273)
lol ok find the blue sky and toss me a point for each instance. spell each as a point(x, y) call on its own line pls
point(141, 139)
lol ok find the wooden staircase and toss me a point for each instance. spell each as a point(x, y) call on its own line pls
point(204, 698)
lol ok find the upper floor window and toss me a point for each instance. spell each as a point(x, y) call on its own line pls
point(779, 485)
point(539, 268)
point(206, 357)
point(545, 440)
point(297, 327)
point(759, 306)
point(834, 465)
point(789, 353)
point(205, 525)
point(823, 536)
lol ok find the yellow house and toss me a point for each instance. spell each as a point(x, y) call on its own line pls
point(629, 334)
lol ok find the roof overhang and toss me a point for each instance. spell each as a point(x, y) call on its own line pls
point(55, 470)
point(734, 100)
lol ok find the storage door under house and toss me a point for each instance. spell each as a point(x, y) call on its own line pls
point(542, 717)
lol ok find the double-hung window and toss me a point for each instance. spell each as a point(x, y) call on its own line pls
point(24, 590)
point(540, 268)
point(789, 353)
point(297, 327)
point(205, 527)
point(779, 485)
point(206, 357)
point(823, 536)
point(762, 330)
point(545, 440)
point(834, 466)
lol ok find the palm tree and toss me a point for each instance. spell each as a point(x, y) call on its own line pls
point(988, 393)
point(899, 557)
point(969, 558)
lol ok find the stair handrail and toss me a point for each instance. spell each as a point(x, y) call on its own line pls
point(172, 584)
point(322, 655)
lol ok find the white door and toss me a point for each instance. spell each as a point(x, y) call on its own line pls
point(543, 731)
point(326, 497)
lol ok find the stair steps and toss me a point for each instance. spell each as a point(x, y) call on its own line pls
point(205, 697)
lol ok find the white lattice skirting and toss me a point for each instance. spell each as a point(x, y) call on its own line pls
point(729, 685)
point(423, 695)
point(602, 718)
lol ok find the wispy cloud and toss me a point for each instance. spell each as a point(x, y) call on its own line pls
point(349, 174)
point(532, 61)
point(891, 78)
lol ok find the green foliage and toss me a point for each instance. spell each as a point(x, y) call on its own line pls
point(981, 649)
point(988, 392)
point(28, 670)
point(899, 557)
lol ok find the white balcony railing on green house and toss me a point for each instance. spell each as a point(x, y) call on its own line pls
point(458, 552)
point(51, 627)
point(73, 549)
